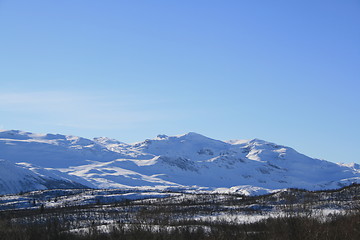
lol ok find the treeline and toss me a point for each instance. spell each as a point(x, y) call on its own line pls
point(340, 227)
point(177, 217)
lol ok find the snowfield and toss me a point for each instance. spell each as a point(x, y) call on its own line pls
point(191, 161)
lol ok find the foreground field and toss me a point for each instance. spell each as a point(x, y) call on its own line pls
point(120, 214)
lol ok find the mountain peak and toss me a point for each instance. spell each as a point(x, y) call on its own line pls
point(14, 134)
point(162, 136)
point(187, 160)
point(192, 135)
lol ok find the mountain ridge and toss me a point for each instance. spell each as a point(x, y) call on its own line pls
point(190, 161)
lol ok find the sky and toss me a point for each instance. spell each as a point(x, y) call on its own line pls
point(284, 71)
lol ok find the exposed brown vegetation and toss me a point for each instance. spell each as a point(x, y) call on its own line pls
point(173, 218)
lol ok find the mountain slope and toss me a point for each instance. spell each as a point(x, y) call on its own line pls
point(51, 150)
point(186, 161)
point(15, 178)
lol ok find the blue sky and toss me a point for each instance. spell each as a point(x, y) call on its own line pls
point(282, 71)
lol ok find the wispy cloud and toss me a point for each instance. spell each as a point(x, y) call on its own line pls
point(82, 109)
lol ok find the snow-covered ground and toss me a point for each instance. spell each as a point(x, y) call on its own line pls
point(84, 210)
point(45, 161)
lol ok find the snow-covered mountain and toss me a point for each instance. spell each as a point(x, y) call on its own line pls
point(186, 161)
point(23, 177)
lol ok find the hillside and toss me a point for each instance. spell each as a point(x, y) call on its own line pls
point(189, 161)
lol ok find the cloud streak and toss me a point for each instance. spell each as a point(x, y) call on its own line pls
point(82, 109)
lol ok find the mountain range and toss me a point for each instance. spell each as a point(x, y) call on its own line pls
point(191, 161)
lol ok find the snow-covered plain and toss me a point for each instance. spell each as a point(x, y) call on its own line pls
point(84, 210)
point(190, 161)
